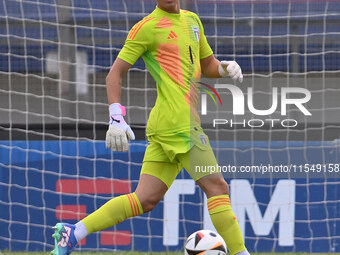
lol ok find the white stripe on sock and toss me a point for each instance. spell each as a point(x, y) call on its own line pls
point(80, 231)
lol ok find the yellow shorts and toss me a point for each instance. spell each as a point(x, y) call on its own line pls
point(165, 156)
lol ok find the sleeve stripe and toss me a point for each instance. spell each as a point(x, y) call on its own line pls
point(135, 30)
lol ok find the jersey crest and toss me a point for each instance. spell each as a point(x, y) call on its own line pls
point(196, 31)
point(203, 140)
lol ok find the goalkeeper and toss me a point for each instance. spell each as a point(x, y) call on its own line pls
point(175, 51)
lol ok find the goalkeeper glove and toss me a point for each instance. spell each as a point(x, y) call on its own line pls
point(231, 68)
point(116, 135)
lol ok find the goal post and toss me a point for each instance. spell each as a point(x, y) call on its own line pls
point(275, 136)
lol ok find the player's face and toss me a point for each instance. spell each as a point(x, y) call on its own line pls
point(171, 6)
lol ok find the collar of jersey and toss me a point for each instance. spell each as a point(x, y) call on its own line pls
point(161, 13)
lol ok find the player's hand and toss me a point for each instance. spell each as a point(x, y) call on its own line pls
point(119, 130)
point(232, 69)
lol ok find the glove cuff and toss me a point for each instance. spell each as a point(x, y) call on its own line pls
point(222, 68)
point(116, 109)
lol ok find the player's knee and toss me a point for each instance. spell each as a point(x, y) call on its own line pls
point(224, 187)
point(149, 203)
point(215, 187)
point(220, 187)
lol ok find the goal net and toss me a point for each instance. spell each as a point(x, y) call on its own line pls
point(275, 135)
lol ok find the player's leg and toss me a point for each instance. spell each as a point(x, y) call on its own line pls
point(149, 192)
point(111, 213)
point(155, 179)
point(221, 214)
point(217, 192)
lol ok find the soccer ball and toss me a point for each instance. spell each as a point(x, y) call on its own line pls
point(205, 242)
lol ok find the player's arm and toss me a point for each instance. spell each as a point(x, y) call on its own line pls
point(209, 67)
point(114, 80)
point(213, 68)
point(119, 130)
point(137, 42)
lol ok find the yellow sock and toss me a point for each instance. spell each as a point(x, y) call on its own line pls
point(113, 212)
point(225, 223)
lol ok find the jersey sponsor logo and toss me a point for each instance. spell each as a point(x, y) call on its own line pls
point(196, 31)
point(172, 36)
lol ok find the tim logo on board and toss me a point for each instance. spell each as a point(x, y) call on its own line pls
point(243, 202)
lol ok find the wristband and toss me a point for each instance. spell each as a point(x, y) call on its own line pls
point(117, 108)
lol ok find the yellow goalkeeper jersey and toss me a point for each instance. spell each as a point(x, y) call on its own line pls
point(171, 46)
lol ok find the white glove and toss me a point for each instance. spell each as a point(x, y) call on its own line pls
point(116, 135)
point(232, 69)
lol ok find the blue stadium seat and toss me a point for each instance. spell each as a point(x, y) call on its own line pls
point(304, 13)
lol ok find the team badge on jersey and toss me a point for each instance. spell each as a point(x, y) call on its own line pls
point(196, 31)
point(203, 140)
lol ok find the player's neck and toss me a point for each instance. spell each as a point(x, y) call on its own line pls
point(175, 9)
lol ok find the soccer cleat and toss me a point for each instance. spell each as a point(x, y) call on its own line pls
point(64, 239)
